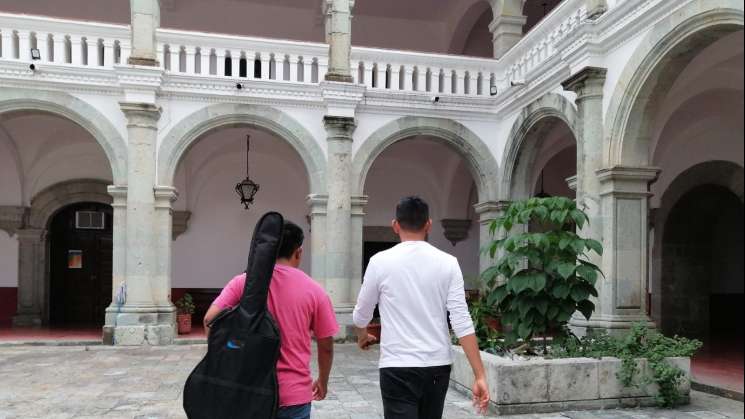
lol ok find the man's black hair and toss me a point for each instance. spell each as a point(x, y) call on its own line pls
point(412, 213)
point(292, 239)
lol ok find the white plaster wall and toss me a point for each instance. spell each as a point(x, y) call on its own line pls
point(8, 260)
point(215, 246)
point(421, 166)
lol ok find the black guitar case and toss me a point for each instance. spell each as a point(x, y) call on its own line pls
point(237, 379)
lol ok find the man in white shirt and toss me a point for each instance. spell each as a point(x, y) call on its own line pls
point(415, 285)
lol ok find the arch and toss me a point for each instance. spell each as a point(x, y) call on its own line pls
point(550, 105)
point(654, 66)
point(52, 199)
point(482, 164)
point(725, 174)
point(465, 25)
point(182, 136)
point(79, 112)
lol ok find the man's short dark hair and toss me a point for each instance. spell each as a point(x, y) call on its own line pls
point(292, 239)
point(412, 213)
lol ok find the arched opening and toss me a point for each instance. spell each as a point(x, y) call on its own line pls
point(702, 267)
point(425, 166)
point(471, 35)
point(80, 265)
point(212, 230)
point(536, 10)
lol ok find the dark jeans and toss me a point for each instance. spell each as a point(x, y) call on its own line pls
point(414, 393)
point(294, 412)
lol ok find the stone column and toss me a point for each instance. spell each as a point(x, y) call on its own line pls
point(624, 210)
point(145, 21)
point(339, 35)
point(488, 211)
point(119, 244)
point(165, 196)
point(146, 317)
point(32, 264)
point(339, 211)
point(318, 205)
point(507, 26)
point(358, 222)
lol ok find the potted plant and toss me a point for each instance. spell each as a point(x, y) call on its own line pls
point(185, 307)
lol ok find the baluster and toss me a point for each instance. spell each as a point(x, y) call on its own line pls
point(76, 45)
point(24, 45)
point(161, 53)
point(92, 46)
point(175, 59)
point(109, 52)
point(204, 61)
point(395, 74)
point(323, 68)
point(191, 56)
point(220, 62)
point(235, 63)
point(279, 66)
point(459, 84)
point(381, 76)
point(447, 82)
point(266, 65)
point(42, 44)
point(408, 75)
point(8, 44)
point(369, 71)
point(58, 42)
point(293, 68)
point(307, 69)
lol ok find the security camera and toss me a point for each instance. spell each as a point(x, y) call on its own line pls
point(32, 67)
point(239, 86)
point(436, 99)
point(516, 83)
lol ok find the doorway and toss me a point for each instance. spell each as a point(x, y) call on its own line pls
point(80, 265)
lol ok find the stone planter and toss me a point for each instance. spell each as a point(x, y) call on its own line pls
point(545, 386)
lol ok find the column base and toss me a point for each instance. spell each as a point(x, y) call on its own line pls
point(140, 325)
point(612, 325)
point(27, 320)
point(346, 325)
point(343, 78)
point(149, 62)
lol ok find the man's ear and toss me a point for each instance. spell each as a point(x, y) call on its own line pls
point(428, 226)
point(396, 227)
point(299, 253)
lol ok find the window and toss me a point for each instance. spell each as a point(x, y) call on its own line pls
point(90, 220)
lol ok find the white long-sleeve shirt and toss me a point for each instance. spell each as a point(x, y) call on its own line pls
point(414, 285)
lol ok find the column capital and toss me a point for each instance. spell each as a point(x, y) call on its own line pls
point(13, 218)
point(140, 84)
point(491, 206)
point(143, 115)
point(627, 180)
point(587, 83)
point(572, 182)
point(342, 98)
point(165, 196)
point(339, 127)
point(318, 203)
point(119, 193)
point(359, 202)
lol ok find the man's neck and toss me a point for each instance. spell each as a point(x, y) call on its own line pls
point(412, 237)
point(285, 262)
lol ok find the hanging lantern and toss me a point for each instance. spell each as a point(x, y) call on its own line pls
point(542, 193)
point(247, 188)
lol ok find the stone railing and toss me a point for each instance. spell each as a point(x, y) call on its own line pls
point(63, 41)
point(539, 45)
point(423, 72)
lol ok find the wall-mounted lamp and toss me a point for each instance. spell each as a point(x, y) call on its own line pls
point(35, 54)
point(493, 90)
point(517, 83)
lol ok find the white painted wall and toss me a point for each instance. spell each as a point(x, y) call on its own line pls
point(427, 168)
point(215, 246)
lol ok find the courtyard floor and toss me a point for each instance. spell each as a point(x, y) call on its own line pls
point(107, 382)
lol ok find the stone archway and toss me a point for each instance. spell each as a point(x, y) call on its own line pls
point(653, 67)
point(33, 249)
point(181, 137)
point(520, 153)
point(726, 175)
point(83, 114)
point(482, 164)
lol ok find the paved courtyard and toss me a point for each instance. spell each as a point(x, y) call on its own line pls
point(105, 382)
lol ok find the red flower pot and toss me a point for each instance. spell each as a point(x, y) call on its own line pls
point(495, 323)
point(184, 323)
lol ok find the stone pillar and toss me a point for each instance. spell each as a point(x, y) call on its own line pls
point(318, 205)
point(32, 264)
point(339, 211)
point(145, 21)
point(147, 317)
point(119, 244)
point(507, 26)
point(358, 222)
point(339, 35)
point(623, 292)
point(488, 211)
point(161, 282)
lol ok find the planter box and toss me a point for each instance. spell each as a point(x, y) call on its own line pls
point(545, 386)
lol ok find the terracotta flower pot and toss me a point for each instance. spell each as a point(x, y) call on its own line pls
point(495, 323)
point(374, 329)
point(184, 323)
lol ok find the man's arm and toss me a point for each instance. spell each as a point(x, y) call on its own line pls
point(325, 360)
point(462, 324)
point(212, 312)
point(363, 311)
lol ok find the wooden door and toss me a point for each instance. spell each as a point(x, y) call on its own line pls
point(80, 265)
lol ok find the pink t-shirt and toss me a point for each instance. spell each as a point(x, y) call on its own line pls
point(300, 306)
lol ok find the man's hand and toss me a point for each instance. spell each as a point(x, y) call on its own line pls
point(480, 395)
point(365, 340)
point(319, 390)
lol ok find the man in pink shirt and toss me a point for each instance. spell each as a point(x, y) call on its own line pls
point(301, 307)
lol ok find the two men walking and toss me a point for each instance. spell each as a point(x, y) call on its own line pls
point(415, 286)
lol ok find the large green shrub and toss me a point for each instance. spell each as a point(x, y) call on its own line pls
point(548, 274)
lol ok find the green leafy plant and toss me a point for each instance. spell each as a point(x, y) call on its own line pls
point(640, 343)
point(484, 316)
point(548, 274)
point(185, 304)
